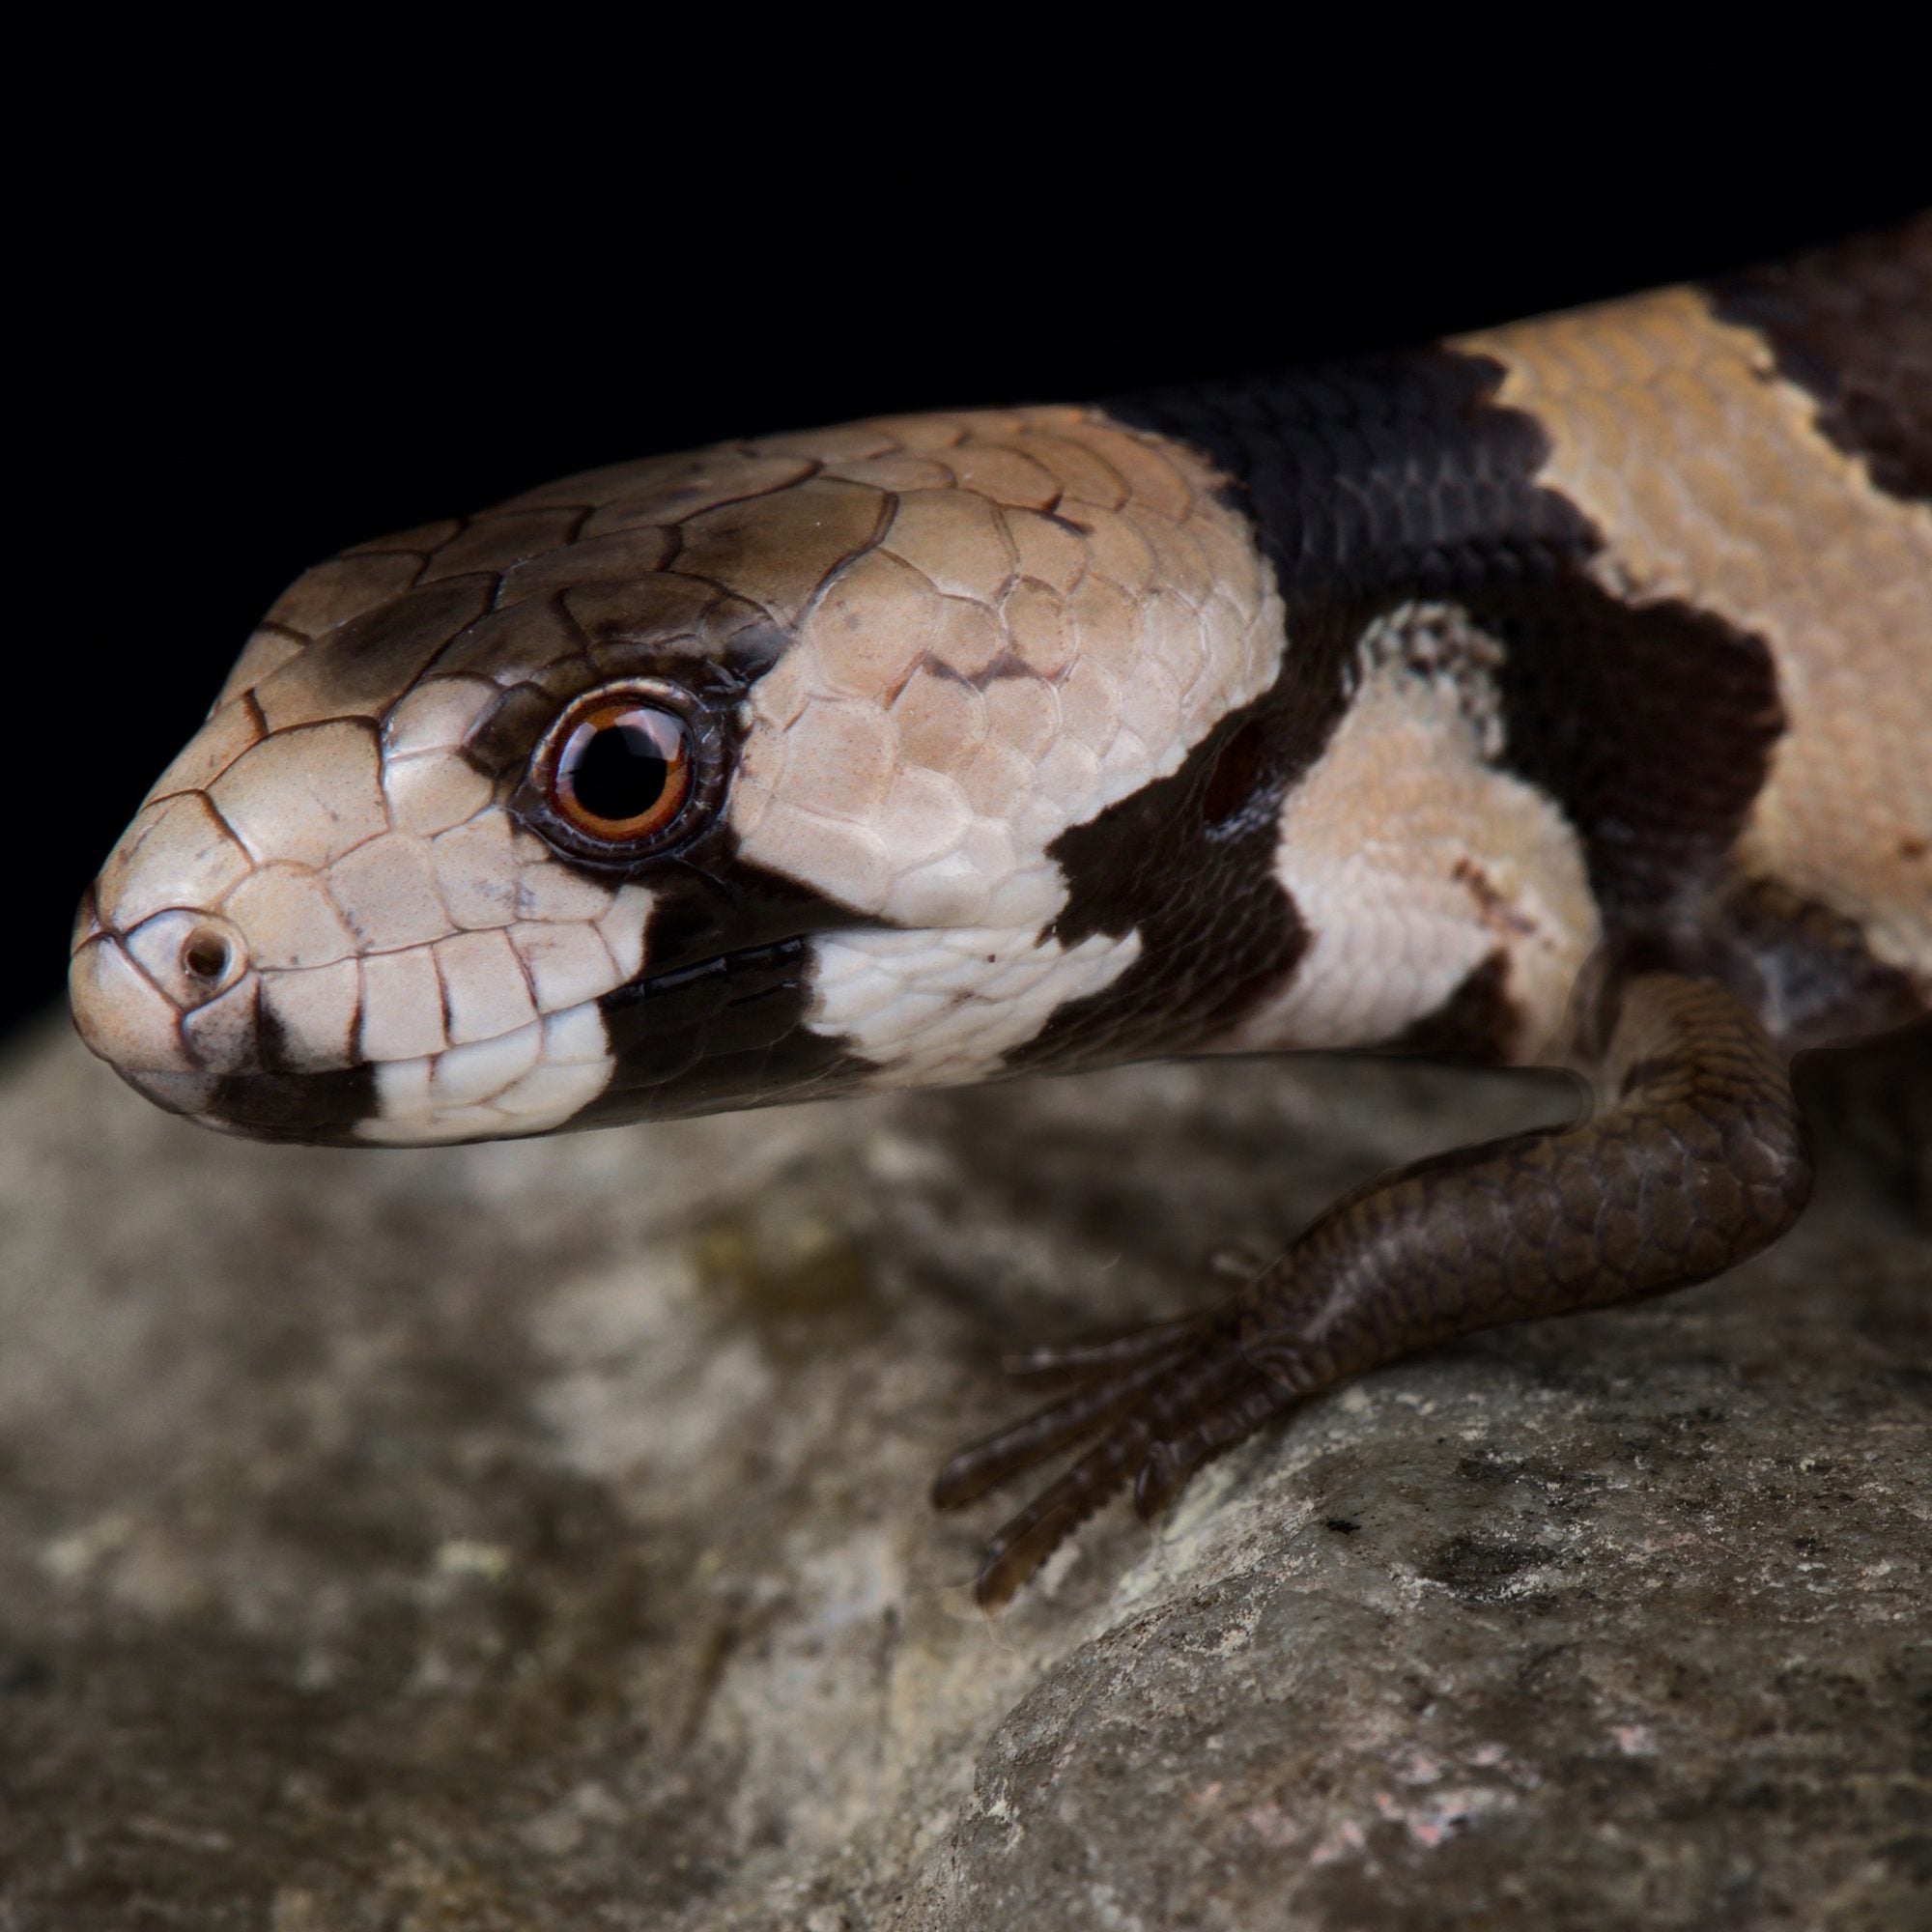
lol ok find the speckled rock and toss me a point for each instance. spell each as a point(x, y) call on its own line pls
point(533, 1536)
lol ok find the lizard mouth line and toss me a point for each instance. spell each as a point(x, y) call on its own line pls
point(781, 957)
point(287, 1104)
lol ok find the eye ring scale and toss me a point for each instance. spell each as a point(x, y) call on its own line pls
point(627, 771)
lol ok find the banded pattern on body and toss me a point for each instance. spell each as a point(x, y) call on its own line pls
point(1427, 703)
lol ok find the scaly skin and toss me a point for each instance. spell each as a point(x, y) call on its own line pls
point(1698, 1162)
point(1559, 696)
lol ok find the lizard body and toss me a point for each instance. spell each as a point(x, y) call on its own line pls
point(1560, 694)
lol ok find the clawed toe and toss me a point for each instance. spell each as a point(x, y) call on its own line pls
point(1133, 1345)
point(981, 1465)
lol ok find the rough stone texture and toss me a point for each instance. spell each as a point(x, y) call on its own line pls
point(530, 1536)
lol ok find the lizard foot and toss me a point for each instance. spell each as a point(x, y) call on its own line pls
point(1160, 1399)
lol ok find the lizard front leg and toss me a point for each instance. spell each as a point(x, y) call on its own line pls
point(1694, 1159)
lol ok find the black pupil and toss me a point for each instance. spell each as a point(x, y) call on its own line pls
point(623, 769)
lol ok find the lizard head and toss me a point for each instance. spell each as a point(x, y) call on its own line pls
point(700, 782)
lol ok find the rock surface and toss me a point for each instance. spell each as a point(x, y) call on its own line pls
point(525, 1537)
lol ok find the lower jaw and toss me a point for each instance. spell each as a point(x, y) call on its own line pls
point(186, 1094)
point(321, 1108)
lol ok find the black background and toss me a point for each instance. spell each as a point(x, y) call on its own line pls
point(269, 306)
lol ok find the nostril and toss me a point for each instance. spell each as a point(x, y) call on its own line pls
point(207, 955)
point(193, 956)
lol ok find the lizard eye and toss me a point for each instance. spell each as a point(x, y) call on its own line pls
point(619, 770)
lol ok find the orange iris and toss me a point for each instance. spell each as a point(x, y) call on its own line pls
point(623, 770)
